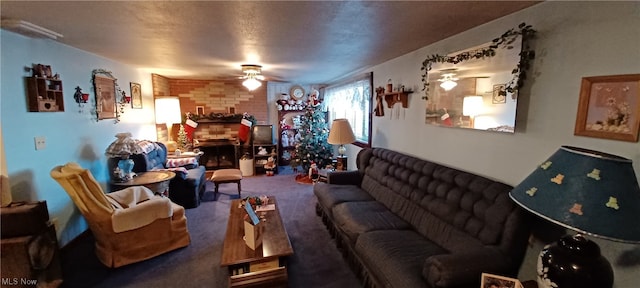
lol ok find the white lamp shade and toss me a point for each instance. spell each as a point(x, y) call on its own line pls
point(341, 132)
point(251, 83)
point(471, 105)
point(168, 110)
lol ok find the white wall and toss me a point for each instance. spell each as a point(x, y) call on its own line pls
point(574, 40)
point(70, 135)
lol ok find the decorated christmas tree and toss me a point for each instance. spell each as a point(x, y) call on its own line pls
point(313, 146)
point(183, 142)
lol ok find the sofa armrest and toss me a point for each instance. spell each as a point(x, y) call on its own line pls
point(461, 268)
point(142, 214)
point(344, 178)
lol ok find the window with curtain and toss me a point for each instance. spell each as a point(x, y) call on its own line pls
point(351, 100)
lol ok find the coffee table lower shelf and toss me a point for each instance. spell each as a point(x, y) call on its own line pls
point(273, 277)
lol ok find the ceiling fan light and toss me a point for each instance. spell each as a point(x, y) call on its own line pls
point(251, 84)
point(448, 85)
point(251, 69)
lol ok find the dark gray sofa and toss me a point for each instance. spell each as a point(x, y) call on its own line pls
point(407, 222)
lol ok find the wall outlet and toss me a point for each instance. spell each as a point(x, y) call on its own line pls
point(41, 142)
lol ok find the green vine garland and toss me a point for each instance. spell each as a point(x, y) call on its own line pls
point(221, 117)
point(504, 41)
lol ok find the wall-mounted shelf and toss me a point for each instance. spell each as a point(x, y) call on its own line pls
point(45, 94)
point(394, 97)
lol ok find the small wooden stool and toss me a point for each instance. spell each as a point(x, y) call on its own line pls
point(226, 176)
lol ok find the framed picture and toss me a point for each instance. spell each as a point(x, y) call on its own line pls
point(496, 281)
point(105, 91)
point(199, 110)
point(499, 94)
point(136, 95)
point(609, 107)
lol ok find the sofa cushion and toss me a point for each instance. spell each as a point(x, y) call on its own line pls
point(396, 257)
point(329, 195)
point(355, 218)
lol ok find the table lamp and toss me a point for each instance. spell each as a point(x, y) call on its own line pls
point(123, 147)
point(341, 134)
point(471, 106)
point(590, 192)
point(168, 112)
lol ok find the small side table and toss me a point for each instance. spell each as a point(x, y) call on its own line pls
point(341, 163)
point(157, 181)
point(323, 173)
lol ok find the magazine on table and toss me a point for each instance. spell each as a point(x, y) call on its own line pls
point(268, 207)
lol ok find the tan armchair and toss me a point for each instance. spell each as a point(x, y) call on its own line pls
point(129, 225)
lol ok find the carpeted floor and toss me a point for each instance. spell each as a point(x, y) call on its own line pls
point(316, 261)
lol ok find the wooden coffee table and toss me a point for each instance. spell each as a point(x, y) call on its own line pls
point(265, 266)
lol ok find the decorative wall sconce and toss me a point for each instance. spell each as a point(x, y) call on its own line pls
point(81, 98)
point(125, 98)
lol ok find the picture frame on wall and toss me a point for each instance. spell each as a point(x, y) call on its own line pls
point(199, 110)
point(136, 95)
point(499, 95)
point(609, 107)
point(497, 281)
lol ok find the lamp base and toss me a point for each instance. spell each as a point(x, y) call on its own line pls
point(123, 172)
point(341, 163)
point(574, 262)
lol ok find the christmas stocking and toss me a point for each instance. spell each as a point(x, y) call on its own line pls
point(446, 119)
point(243, 132)
point(190, 128)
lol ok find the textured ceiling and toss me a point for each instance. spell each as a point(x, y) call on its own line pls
point(298, 42)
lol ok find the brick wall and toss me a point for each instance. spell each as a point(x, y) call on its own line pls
point(214, 96)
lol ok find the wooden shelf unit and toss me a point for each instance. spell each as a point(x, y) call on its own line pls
point(260, 160)
point(287, 152)
point(44, 94)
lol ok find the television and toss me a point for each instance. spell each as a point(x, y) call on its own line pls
point(262, 134)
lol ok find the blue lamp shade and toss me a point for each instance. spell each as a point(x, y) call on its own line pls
point(588, 191)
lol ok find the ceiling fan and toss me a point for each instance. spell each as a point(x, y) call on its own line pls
point(252, 76)
point(448, 81)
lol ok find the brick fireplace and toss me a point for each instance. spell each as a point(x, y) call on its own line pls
point(203, 97)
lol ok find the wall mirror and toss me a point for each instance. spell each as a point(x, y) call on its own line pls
point(104, 88)
point(477, 88)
